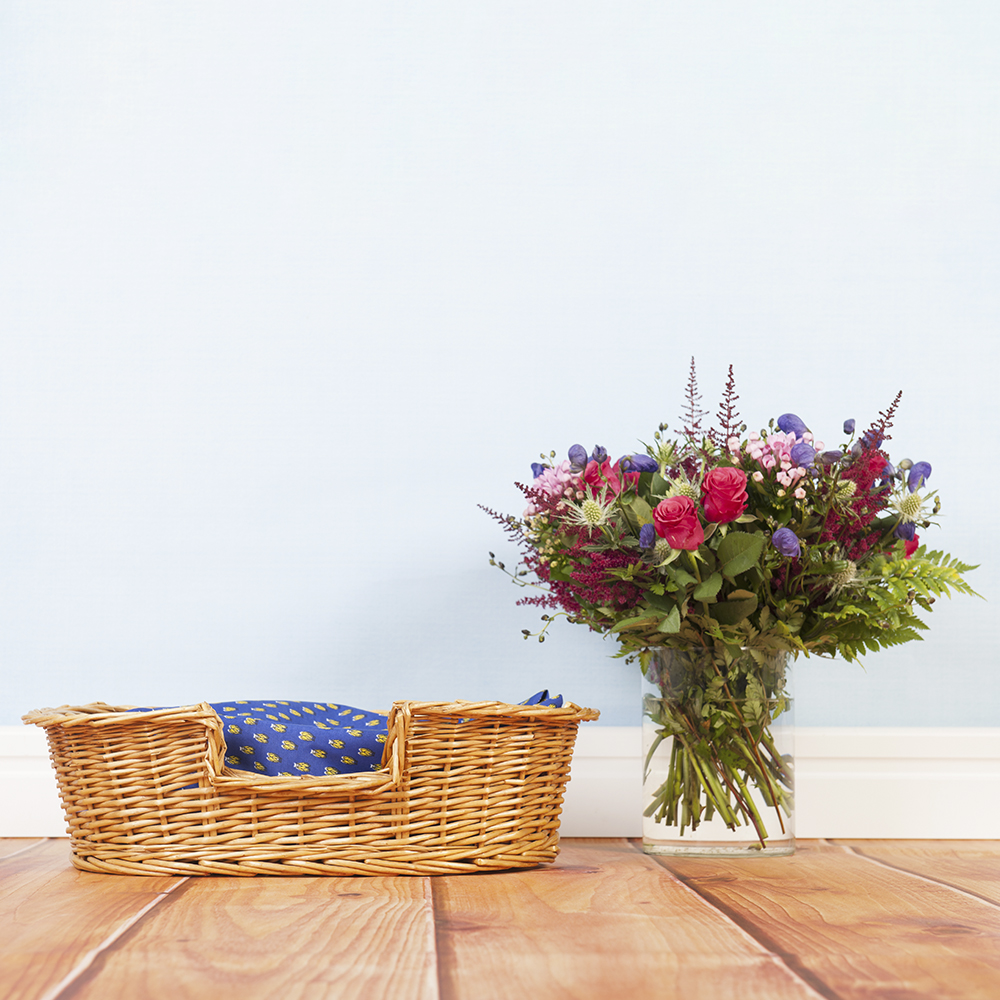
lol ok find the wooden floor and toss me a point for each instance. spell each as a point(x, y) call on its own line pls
point(879, 920)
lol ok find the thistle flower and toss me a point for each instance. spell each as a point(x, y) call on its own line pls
point(845, 573)
point(593, 512)
point(846, 489)
point(909, 507)
point(682, 488)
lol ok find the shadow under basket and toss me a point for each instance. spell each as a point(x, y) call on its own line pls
point(463, 787)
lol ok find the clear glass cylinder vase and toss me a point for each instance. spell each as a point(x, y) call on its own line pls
point(718, 753)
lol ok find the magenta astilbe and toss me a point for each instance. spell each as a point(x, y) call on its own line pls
point(595, 586)
point(728, 417)
point(848, 524)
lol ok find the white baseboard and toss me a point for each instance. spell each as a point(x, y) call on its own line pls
point(859, 783)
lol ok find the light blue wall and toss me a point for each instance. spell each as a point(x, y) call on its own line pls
point(289, 289)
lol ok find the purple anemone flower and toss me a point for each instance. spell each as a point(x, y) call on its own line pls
point(638, 463)
point(906, 531)
point(792, 424)
point(786, 542)
point(803, 454)
point(829, 457)
point(919, 474)
point(848, 427)
point(647, 536)
point(537, 469)
point(599, 454)
point(577, 457)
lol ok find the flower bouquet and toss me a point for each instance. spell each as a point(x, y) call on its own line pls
point(714, 558)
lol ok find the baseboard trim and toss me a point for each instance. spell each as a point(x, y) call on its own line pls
point(851, 782)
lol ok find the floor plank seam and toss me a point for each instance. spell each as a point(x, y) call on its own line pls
point(30, 847)
point(917, 875)
point(71, 977)
point(785, 960)
point(431, 949)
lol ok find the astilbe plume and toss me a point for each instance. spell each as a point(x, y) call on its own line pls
point(728, 417)
point(691, 418)
point(847, 523)
point(591, 584)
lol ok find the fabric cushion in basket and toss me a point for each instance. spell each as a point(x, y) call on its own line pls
point(290, 738)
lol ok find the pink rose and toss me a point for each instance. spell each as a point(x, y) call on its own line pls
point(676, 520)
point(725, 492)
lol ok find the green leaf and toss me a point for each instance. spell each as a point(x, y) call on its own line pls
point(642, 510)
point(739, 551)
point(733, 612)
point(708, 588)
point(661, 603)
point(681, 576)
point(659, 486)
point(672, 623)
point(632, 623)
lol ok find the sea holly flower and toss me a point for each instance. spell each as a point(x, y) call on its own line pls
point(919, 474)
point(909, 506)
point(786, 542)
point(593, 512)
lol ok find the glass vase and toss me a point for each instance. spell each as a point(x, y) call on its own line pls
point(718, 753)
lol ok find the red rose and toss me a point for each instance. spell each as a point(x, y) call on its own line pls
point(725, 492)
point(676, 520)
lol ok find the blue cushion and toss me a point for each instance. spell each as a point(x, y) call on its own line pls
point(291, 738)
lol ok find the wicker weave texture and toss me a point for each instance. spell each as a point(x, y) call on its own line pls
point(463, 787)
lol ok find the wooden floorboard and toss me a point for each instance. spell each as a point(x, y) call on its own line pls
point(53, 917)
point(972, 866)
point(841, 920)
point(294, 938)
point(858, 930)
point(604, 921)
point(16, 845)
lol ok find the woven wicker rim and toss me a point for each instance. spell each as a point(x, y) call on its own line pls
point(386, 778)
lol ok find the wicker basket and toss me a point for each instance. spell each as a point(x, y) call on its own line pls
point(463, 787)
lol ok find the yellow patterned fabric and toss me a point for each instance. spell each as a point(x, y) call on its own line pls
point(289, 738)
